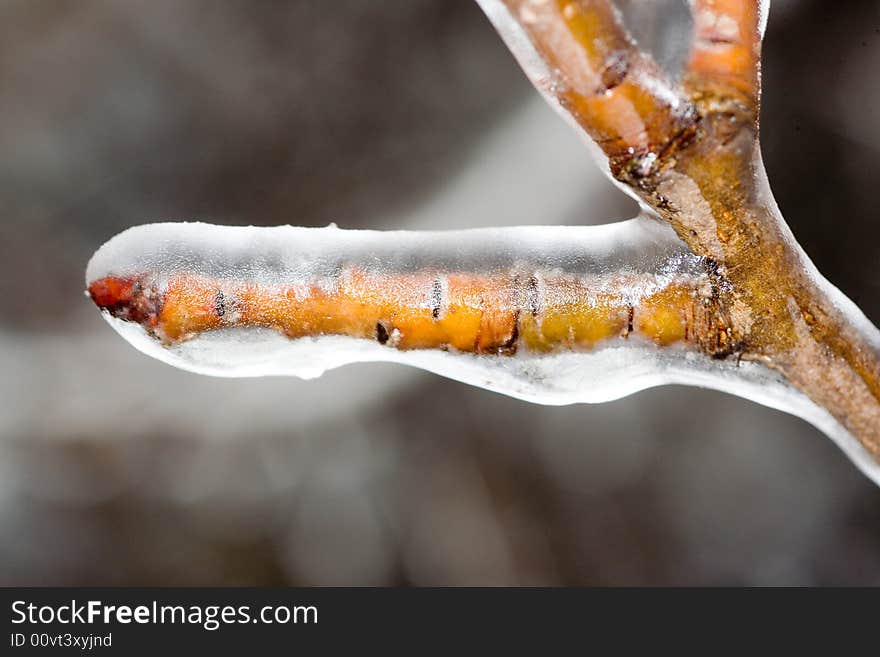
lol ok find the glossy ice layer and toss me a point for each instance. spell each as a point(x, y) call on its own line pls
point(290, 253)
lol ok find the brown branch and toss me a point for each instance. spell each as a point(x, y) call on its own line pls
point(725, 58)
point(616, 93)
point(706, 179)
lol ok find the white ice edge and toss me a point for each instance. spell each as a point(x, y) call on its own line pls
point(556, 379)
point(291, 252)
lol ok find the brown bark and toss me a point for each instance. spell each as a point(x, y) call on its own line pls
point(696, 163)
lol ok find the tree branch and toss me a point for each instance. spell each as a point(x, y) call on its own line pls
point(709, 184)
point(578, 54)
point(494, 291)
point(742, 298)
point(725, 58)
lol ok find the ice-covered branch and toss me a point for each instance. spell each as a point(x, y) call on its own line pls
point(551, 315)
point(720, 296)
point(707, 181)
point(485, 291)
point(725, 58)
point(584, 62)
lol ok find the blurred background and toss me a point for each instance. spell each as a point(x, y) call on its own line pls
point(117, 469)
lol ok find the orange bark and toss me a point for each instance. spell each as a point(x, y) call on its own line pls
point(616, 93)
point(495, 313)
point(726, 52)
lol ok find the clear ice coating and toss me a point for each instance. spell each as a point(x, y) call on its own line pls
point(287, 254)
point(291, 253)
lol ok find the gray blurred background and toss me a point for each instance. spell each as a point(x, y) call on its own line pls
point(117, 469)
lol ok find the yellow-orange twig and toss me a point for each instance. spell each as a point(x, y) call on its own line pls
point(494, 312)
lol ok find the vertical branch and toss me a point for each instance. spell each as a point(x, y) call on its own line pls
point(725, 58)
